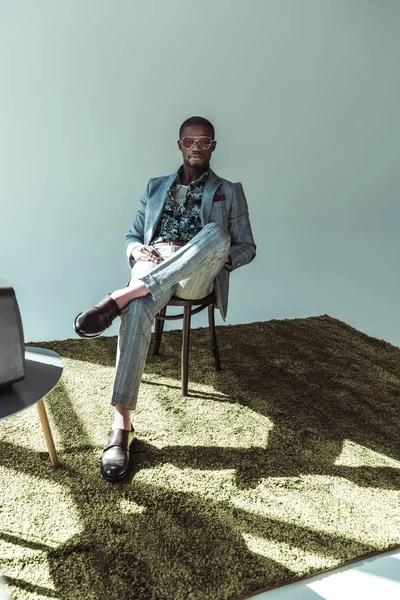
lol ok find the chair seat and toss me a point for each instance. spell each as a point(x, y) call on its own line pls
point(175, 301)
point(201, 303)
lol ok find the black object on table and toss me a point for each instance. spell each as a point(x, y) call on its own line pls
point(12, 365)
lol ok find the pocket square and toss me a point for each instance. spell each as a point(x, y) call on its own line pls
point(218, 197)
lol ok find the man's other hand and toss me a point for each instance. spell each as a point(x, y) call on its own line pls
point(147, 253)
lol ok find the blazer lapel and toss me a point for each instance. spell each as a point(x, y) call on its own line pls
point(157, 205)
point(212, 184)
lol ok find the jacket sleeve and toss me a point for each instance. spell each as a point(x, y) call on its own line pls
point(243, 247)
point(135, 236)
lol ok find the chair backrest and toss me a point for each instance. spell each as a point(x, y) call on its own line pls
point(12, 348)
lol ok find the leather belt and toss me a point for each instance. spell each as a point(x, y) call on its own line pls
point(171, 243)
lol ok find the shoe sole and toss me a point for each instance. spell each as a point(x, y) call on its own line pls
point(115, 479)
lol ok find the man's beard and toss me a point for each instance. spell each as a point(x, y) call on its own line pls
point(197, 166)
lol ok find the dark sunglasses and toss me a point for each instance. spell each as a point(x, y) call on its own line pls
point(204, 142)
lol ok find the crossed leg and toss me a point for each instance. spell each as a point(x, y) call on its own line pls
point(189, 272)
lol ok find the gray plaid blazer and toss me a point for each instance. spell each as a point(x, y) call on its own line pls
point(223, 202)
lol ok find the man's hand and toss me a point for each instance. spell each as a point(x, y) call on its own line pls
point(147, 253)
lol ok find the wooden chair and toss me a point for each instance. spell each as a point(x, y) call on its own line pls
point(190, 307)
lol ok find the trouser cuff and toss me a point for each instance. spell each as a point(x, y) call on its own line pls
point(152, 285)
point(126, 401)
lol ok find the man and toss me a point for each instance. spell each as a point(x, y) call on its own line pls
point(191, 230)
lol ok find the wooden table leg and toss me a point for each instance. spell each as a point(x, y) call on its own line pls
point(185, 350)
point(47, 433)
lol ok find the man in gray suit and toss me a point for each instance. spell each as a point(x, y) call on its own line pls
point(192, 229)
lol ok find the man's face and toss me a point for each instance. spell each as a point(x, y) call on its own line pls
point(196, 157)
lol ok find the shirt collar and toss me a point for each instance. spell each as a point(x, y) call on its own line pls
point(200, 181)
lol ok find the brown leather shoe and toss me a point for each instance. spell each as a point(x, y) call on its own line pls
point(93, 321)
point(115, 460)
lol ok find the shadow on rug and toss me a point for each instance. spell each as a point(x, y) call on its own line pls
point(285, 464)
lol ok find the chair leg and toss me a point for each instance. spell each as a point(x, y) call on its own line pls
point(213, 336)
point(159, 328)
point(185, 350)
point(47, 433)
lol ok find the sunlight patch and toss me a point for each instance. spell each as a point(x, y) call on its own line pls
point(34, 508)
point(206, 422)
point(288, 555)
point(128, 507)
point(355, 455)
point(329, 505)
point(213, 484)
point(35, 573)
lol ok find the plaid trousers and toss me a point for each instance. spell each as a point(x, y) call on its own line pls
point(188, 272)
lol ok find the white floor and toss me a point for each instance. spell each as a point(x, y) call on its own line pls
point(370, 579)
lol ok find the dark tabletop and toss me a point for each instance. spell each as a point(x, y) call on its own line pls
point(43, 370)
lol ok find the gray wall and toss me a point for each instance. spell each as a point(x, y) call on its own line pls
point(305, 98)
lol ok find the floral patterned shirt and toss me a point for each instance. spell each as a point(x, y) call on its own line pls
point(181, 222)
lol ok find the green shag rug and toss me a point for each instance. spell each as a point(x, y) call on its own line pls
point(285, 464)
